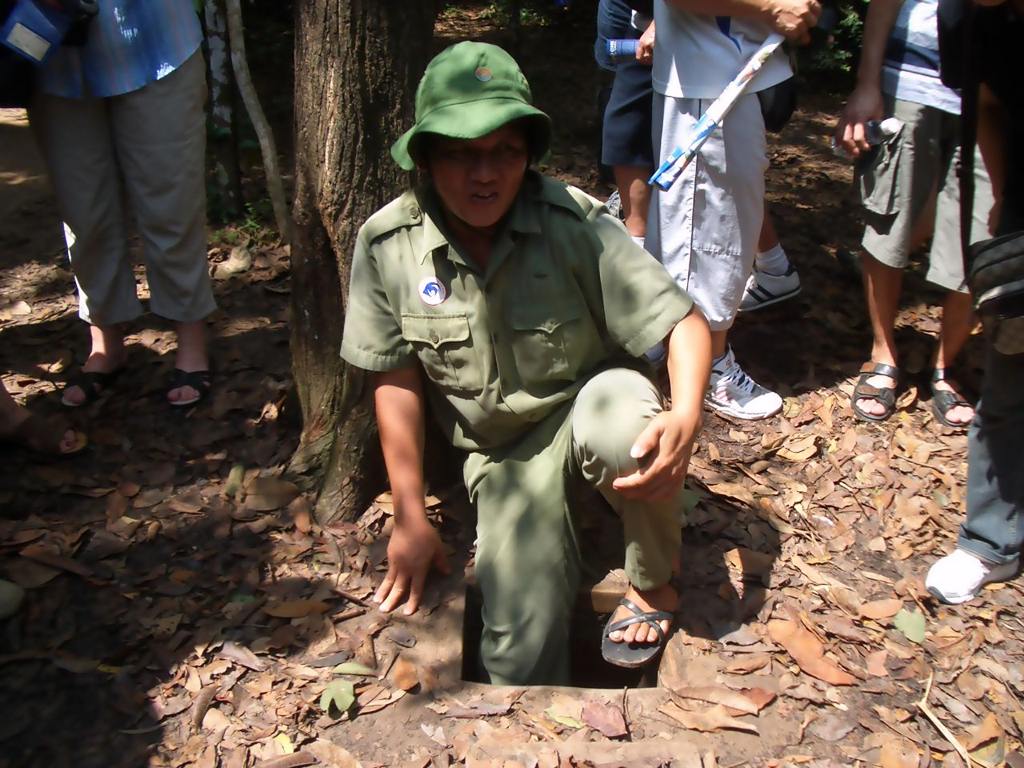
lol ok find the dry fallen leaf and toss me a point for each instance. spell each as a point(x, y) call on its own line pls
point(832, 727)
point(301, 512)
point(761, 697)
point(331, 754)
point(566, 710)
point(48, 557)
point(881, 609)
point(715, 695)
point(714, 719)
point(987, 744)
point(799, 447)
point(241, 655)
point(404, 674)
point(605, 718)
point(807, 652)
point(737, 491)
point(876, 663)
point(266, 494)
point(848, 600)
point(744, 665)
point(898, 753)
point(295, 609)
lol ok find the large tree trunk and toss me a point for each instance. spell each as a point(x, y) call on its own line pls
point(357, 63)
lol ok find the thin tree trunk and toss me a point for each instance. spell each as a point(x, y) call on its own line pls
point(222, 139)
point(357, 63)
point(268, 148)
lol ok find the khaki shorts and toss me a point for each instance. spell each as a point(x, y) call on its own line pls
point(898, 182)
point(705, 227)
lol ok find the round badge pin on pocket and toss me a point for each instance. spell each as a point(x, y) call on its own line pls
point(432, 291)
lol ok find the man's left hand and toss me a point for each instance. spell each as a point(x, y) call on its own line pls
point(663, 450)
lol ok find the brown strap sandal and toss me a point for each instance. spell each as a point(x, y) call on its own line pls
point(884, 395)
point(944, 400)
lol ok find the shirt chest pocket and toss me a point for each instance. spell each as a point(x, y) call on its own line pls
point(548, 341)
point(445, 349)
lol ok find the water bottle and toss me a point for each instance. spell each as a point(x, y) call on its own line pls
point(620, 49)
point(875, 132)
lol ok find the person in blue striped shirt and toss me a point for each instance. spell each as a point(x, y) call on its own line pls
point(121, 124)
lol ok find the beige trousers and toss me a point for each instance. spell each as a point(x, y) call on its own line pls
point(144, 149)
point(527, 555)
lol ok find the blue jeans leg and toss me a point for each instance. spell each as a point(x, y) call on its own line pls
point(994, 528)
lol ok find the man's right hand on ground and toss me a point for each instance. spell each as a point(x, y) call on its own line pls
point(865, 104)
point(794, 18)
point(415, 545)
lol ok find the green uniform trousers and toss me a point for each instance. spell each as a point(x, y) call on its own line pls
point(528, 556)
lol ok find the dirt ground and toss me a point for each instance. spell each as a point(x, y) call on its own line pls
point(183, 610)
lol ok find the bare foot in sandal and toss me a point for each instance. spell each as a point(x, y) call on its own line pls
point(874, 396)
point(191, 380)
point(948, 405)
point(106, 359)
point(638, 629)
point(663, 598)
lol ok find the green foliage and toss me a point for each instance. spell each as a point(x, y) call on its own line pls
point(535, 13)
point(840, 55)
point(337, 698)
point(911, 624)
point(252, 228)
point(252, 223)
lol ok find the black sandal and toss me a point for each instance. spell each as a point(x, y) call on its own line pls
point(944, 400)
point(200, 381)
point(92, 383)
point(633, 655)
point(884, 395)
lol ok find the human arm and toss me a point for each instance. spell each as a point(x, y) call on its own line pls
point(992, 136)
point(792, 18)
point(866, 100)
point(415, 544)
point(665, 445)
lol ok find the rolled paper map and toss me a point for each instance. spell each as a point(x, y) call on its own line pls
point(681, 157)
point(622, 48)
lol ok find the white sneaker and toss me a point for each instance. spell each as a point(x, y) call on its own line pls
point(763, 289)
point(959, 577)
point(732, 392)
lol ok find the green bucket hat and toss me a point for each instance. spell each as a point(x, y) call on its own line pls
point(467, 91)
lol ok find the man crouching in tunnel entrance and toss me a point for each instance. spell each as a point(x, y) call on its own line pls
point(522, 310)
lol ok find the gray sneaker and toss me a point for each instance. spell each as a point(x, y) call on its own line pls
point(763, 289)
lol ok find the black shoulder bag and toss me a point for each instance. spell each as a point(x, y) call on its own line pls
point(994, 268)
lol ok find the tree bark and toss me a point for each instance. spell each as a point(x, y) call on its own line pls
point(227, 178)
point(357, 63)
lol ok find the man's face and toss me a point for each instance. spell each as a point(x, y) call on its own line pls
point(478, 179)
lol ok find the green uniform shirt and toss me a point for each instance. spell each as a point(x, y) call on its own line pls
point(566, 294)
